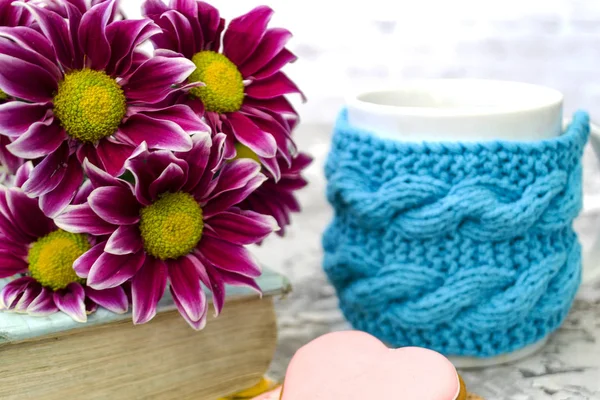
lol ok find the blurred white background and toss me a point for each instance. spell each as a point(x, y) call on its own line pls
point(348, 45)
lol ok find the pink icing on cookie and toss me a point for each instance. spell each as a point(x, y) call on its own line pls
point(272, 395)
point(354, 365)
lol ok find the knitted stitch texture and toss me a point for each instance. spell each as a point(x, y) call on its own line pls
point(463, 248)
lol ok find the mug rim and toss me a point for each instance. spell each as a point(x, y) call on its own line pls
point(549, 98)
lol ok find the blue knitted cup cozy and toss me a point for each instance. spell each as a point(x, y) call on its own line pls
point(463, 248)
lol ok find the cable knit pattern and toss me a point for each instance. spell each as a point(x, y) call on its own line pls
point(464, 248)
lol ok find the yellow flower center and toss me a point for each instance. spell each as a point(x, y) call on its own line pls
point(51, 258)
point(224, 90)
point(243, 151)
point(90, 105)
point(3, 96)
point(172, 226)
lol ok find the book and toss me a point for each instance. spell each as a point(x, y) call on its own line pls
point(110, 358)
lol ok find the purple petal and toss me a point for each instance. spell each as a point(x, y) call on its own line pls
point(272, 167)
point(147, 166)
point(17, 117)
point(242, 227)
point(8, 160)
point(30, 39)
point(214, 163)
point(280, 105)
point(276, 85)
point(228, 256)
point(124, 36)
point(23, 173)
point(197, 159)
point(186, 7)
point(113, 299)
point(71, 301)
point(271, 44)
point(54, 202)
point(16, 77)
point(211, 281)
point(13, 291)
point(115, 204)
point(154, 7)
point(111, 270)
point(210, 278)
point(84, 263)
point(113, 155)
point(48, 174)
point(147, 288)
point(26, 214)
point(139, 58)
point(181, 27)
point(79, 5)
point(217, 286)
point(92, 34)
point(30, 293)
point(185, 286)
point(166, 40)
point(162, 52)
point(99, 177)
point(43, 304)
point(197, 325)
point(82, 219)
point(233, 197)
point(212, 25)
point(182, 115)
point(83, 192)
point(11, 264)
point(171, 180)
point(40, 140)
point(281, 132)
point(244, 33)
point(10, 232)
point(153, 80)
point(55, 28)
point(13, 16)
point(235, 175)
point(250, 135)
point(125, 240)
point(32, 57)
point(232, 278)
point(276, 64)
point(74, 18)
point(158, 134)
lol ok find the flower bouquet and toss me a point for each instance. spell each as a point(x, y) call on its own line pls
point(126, 172)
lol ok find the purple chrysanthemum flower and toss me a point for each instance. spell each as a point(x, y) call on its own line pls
point(244, 92)
point(85, 91)
point(10, 16)
point(178, 222)
point(32, 245)
point(277, 199)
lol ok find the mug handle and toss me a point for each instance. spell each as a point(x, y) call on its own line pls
point(591, 258)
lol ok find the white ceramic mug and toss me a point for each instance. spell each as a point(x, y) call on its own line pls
point(470, 110)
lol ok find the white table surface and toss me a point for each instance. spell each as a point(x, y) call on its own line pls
point(567, 368)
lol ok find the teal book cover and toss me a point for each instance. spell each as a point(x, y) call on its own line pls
point(18, 327)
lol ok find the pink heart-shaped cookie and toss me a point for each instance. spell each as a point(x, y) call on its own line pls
point(354, 365)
